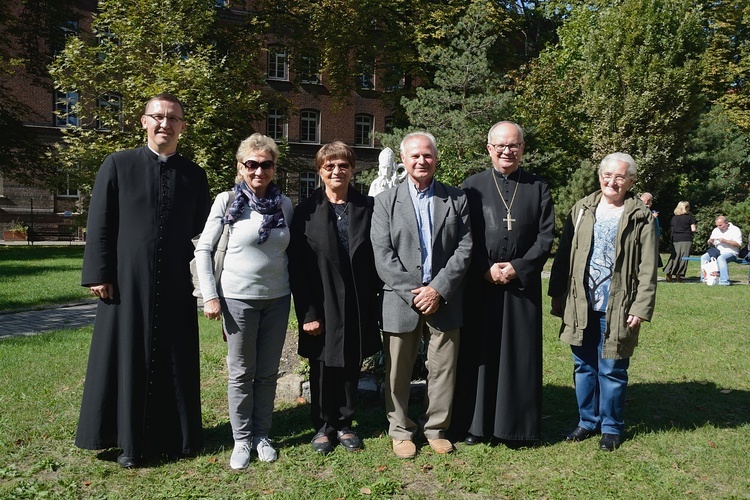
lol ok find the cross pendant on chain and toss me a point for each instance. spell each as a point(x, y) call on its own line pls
point(509, 220)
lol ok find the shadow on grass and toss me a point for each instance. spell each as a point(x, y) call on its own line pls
point(653, 407)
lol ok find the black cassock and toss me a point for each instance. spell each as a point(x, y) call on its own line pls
point(142, 388)
point(499, 373)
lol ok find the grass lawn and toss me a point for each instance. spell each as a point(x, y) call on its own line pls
point(34, 276)
point(687, 418)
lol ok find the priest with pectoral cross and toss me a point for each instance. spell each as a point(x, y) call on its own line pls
point(501, 342)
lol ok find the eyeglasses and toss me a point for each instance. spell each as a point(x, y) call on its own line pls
point(330, 167)
point(253, 165)
point(619, 179)
point(500, 148)
point(172, 120)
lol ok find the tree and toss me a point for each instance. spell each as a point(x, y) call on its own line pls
point(726, 62)
point(466, 96)
point(25, 50)
point(138, 48)
point(624, 76)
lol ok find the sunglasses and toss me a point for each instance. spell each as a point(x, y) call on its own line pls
point(253, 165)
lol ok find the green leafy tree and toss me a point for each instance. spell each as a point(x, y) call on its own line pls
point(623, 76)
point(25, 49)
point(726, 62)
point(139, 48)
point(466, 96)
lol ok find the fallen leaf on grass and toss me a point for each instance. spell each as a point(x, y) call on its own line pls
point(382, 468)
point(86, 483)
point(268, 492)
point(712, 444)
point(365, 491)
point(212, 460)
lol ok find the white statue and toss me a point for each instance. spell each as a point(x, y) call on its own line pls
point(389, 173)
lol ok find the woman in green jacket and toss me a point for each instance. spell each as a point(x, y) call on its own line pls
point(603, 285)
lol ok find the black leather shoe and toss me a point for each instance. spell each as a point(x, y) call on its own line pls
point(126, 462)
point(471, 439)
point(609, 442)
point(321, 444)
point(579, 434)
point(351, 443)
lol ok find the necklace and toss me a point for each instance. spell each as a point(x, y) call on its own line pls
point(336, 212)
point(509, 219)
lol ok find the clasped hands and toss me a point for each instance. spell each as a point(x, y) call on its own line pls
point(501, 273)
point(426, 299)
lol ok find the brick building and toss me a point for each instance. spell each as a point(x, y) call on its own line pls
point(314, 118)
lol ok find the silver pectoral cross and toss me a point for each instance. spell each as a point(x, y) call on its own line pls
point(509, 219)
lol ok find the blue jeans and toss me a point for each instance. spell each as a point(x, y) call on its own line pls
point(600, 383)
point(721, 261)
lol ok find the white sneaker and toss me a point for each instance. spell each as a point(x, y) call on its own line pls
point(266, 452)
point(240, 456)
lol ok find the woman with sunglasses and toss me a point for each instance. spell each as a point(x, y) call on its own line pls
point(253, 294)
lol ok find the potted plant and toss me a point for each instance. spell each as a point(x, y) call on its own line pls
point(16, 231)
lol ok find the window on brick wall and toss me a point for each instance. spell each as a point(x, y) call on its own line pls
point(109, 112)
point(277, 63)
point(363, 130)
point(308, 182)
point(309, 126)
point(68, 189)
point(276, 125)
point(65, 112)
point(310, 69)
point(389, 122)
point(366, 76)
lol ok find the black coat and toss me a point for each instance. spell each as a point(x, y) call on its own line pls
point(142, 388)
point(330, 286)
point(500, 357)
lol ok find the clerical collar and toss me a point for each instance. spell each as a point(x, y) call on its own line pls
point(161, 158)
point(507, 176)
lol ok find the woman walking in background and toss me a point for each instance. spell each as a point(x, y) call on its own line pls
point(683, 227)
point(253, 293)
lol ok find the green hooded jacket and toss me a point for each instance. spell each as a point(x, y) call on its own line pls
point(633, 285)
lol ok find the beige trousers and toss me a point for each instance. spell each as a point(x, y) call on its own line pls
point(401, 351)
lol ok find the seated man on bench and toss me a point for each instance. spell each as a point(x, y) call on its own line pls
point(724, 245)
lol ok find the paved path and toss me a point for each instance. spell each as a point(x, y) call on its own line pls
point(44, 320)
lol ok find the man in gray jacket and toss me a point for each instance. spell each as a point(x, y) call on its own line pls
point(421, 238)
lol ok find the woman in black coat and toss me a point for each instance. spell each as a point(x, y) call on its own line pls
point(335, 288)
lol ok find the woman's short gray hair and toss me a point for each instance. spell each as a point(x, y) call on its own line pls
point(620, 157)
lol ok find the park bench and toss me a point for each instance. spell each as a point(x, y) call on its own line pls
point(33, 235)
point(743, 262)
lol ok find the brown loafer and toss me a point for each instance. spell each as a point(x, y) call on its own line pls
point(441, 446)
point(404, 448)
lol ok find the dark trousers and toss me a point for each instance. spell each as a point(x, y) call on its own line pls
point(333, 393)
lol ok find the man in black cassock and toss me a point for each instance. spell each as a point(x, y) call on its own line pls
point(499, 372)
point(142, 388)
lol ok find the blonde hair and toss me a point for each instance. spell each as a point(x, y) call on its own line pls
point(256, 142)
point(682, 208)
